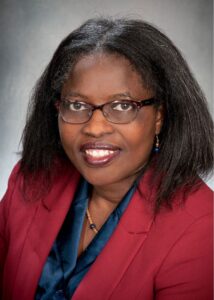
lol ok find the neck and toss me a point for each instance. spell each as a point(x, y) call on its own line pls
point(110, 195)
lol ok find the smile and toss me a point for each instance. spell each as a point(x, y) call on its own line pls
point(99, 154)
point(95, 153)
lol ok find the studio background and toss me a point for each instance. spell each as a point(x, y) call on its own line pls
point(32, 29)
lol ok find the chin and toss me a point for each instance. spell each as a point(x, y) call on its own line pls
point(99, 180)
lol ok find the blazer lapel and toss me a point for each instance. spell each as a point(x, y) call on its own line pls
point(112, 263)
point(46, 223)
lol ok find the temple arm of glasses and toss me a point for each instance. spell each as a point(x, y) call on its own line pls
point(146, 102)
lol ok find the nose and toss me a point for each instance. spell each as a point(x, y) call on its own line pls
point(98, 125)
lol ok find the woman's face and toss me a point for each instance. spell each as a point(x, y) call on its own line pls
point(103, 152)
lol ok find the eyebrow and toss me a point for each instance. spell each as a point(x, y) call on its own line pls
point(75, 94)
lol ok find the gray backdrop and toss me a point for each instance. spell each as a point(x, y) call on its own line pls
point(32, 29)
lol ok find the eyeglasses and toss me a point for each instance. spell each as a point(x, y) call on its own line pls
point(118, 111)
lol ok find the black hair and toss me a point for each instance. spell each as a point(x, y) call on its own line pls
point(186, 137)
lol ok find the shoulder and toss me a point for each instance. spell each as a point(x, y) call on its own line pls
point(187, 233)
point(199, 202)
point(196, 203)
point(14, 176)
point(188, 203)
point(189, 221)
point(12, 181)
point(19, 207)
point(183, 234)
point(187, 210)
point(21, 192)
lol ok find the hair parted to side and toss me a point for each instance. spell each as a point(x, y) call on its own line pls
point(186, 138)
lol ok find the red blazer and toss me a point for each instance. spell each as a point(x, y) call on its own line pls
point(167, 257)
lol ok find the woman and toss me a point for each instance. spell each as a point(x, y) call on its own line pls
point(106, 201)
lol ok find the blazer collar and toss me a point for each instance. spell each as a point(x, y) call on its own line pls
point(48, 219)
point(67, 181)
point(139, 214)
point(141, 205)
point(64, 184)
point(111, 264)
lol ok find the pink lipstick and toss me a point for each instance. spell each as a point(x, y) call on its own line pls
point(99, 154)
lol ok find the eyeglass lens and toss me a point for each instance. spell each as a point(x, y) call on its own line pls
point(116, 112)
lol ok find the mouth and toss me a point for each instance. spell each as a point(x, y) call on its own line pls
point(99, 154)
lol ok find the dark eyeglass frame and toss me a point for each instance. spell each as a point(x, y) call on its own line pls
point(138, 104)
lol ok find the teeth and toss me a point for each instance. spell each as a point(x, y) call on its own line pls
point(98, 153)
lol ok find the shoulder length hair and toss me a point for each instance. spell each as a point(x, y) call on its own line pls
point(187, 133)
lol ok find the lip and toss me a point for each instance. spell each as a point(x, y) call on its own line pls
point(98, 145)
point(99, 154)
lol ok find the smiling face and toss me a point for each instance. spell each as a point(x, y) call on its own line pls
point(106, 153)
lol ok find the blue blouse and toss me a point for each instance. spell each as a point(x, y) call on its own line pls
point(63, 270)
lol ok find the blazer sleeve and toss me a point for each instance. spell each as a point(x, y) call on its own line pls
point(4, 214)
point(186, 273)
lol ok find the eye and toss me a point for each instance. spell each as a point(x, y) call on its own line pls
point(76, 106)
point(122, 106)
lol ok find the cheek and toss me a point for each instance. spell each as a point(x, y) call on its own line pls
point(139, 141)
point(68, 136)
point(140, 136)
point(142, 148)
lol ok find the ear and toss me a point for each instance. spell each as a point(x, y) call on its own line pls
point(159, 119)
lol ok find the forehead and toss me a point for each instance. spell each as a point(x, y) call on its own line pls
point(104, 74)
